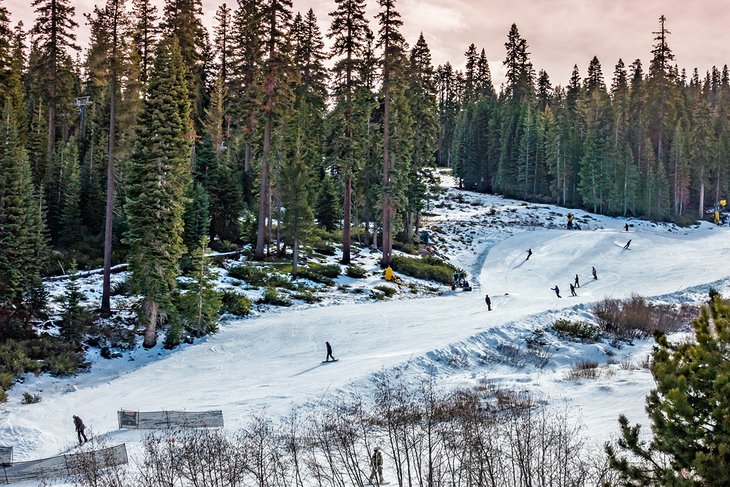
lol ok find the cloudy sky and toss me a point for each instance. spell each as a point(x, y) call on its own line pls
point(560, 33)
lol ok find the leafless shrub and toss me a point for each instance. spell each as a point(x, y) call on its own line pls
point(637, 318)
point(208, 458)
point(584, 369)
point(98, 467)
point(160, 464)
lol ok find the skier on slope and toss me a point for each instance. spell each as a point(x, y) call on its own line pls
point(557, 291)
point(80, 427)
point(626, 247)
point(626, 227)
point(488, 301)
point(329, 352)
point(595, 275)
point(572, 290)
point(376, 461)
point(577, 281)
point(529, 254)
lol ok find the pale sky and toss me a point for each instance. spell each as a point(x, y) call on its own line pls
point(560, 33)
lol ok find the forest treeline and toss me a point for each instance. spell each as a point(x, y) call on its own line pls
point(160, 139)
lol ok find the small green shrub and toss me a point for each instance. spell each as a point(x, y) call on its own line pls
point(29, 398)
point(406, 248)
point(430, 268)
point(3, 396)
point(355, 271)
point(272, 296)
point(255, 276)
point(387, 290)
point(307, 296)
point(577, 330)
point(328, 270)
point(307, 273)
point(122, 288)
point(6, 380)
point(106, 353)
point(235, 304)
point(277, 280)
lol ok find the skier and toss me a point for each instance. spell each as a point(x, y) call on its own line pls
point(626, 247)
point(572, 290)
point(376, 462)
point(626, 227)
point(488, 301)
point(79, 424)
point(577, 282)
point(529, 254)
point(329, 352)
point(557, 291)
point(595, 275)
point(570, 221)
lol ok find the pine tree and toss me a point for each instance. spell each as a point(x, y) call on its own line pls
point(74, 317)
point(223, 44)
point(159, 176)
point(688, 411)
point(145, 35)
point(702, 152)
point(70, 216)
point(22, 230)
point(349, 31)
point(327, 210)
point(6, 49)
point(200, 303)
point(520, 72)
point(54, 33)
point(196, 217)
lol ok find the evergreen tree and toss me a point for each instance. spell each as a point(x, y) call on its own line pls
point(688, 411)
point(74, 317)
point(6, 49)
point(200, 304)
point(54, 33)
point(70, 216)
point(223, 44)
point(327, 210)
point(145, 33)
point(159, 176)
point(520, 72)
point(22, 240)
point(196, 217)
point(349, 31)
point(702, 150)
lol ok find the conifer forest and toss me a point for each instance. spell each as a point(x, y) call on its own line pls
point(161, 139)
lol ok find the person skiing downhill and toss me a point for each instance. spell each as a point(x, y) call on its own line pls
point(572, 290)
point(557, 291)
point(577, 281)
point(595, 275)
point(488, 301)
point(80, 427)
point(626, 247)
point(529, 254)
point(376, 461)
point(329, 352)
point(626, 227)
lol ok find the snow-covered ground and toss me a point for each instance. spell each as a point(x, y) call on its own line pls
point(272, 362)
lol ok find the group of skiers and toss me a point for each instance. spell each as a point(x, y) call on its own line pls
point(575, 284)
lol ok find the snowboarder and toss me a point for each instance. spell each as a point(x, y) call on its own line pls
point(570, 221)
point(626, 247)
point(557, 291)
point(488, 301)
point(79, 424)
point(577, 281)
point(329, 352)
point(595, 275)
point(572, 290)
point(376, 462)
point(529, 254)
point(626, 227)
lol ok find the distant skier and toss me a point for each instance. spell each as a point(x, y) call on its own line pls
point(529, 254)
point(376, 461)
point(329, 352)
point(557, 291)
point(488, 301)
point(577, 281)
point(79, 424)
point(626, 247)
point(572, 290)
point(626, 227)
point(595, 275)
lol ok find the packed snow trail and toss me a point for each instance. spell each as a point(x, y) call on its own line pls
point(273, 362)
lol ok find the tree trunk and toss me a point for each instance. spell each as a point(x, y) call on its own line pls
point(347, 206)
point(150, 334)
point(264, 191)
point(702, 192)
point(295, 257)
point(387, 244)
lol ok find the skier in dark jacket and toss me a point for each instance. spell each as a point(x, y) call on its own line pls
point(627, 245)
point(79, 424)
point(329, 352)
point(595, 275)
point(572, 290)
point(626, 227)
point(577, 281)
point(557, 291)
point(488, 301)
point(529, 254)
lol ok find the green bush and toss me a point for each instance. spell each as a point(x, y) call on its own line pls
point(14, 358)
point(388, 291)
point(272, 296)
point(29, 398)
point(355, 271)
point(329, 270)
point(235, 304)
point(6, 380)
point(307, 273)
point(430, 268)
point(255, 276)
point(577, 330)
point(3, 396)
point(307, 296)
point(406, 248)
point(277, 280)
